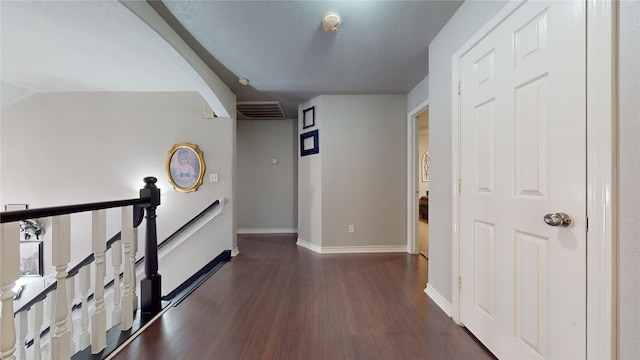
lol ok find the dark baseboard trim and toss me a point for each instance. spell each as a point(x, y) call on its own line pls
point(192, 283)
point(116, 338)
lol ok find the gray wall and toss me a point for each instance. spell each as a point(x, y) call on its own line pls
point(267, 193)
point(629, 182)
point(363, 169)
point(469, 18)
point(71, 148)
point(359, 177)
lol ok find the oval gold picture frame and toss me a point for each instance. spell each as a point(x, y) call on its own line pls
point(185, 167)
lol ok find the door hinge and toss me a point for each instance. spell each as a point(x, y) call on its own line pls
point(459, 282)
point(586, 222)
point(459, 185)
point(459, 87)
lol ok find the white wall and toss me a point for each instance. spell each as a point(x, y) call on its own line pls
point(68, 148)
point(418, 95)
point(629, 182)
point(267, 193)
point(469, 18)
point(363, 170)
point(310, 181)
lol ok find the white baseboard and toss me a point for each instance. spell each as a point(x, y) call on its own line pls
point(267, 231)
point(235, 252)
point(439, 300)
point(308, 245)
point(352, 249)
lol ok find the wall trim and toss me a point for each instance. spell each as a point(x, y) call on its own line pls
point(437, 298)
point(307, 245)
point(602, 99)
point(267, 231)
point(352, 249)
point(190, 232)
point(412, 176)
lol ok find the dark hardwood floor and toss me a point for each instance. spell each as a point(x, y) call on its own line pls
point(279, 301)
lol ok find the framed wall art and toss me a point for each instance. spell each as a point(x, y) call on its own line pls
point(185, 167)
point(15, 207)
point(308, 117)
point(425, 166)
point(309, 143)
point(31, 258)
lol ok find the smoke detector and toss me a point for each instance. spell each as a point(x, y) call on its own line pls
point(330, 22)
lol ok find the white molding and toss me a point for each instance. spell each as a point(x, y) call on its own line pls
point(235, 252)
point(412, 176)
point(267, 231)
point(192, 231)
point(352, 249)
point(363, 249)
point(601, 178)
point(307, 245)
point(434, 295)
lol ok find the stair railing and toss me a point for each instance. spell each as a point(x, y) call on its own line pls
point(60, 298)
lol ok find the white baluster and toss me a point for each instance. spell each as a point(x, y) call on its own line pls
point(71, 294)
point(84, 284)
point(37, 318)
point(99, 317)
point(9, 273)
point(61, 255)
point(127, 237)
point(116, 261)
point(23, 327)
point(51, 309)
point(134, 281)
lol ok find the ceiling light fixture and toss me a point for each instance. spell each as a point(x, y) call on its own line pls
point(330, 22)
point(243, 81)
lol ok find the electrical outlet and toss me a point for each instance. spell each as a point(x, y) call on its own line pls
point(273, 161)
point(352, 228)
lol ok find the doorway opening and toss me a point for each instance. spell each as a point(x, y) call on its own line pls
point(423, 183)
point(418, 182)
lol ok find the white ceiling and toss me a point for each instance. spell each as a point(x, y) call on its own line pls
point(76, 46)
point(381, 46)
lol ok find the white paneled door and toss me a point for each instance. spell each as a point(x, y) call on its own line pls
point(523, 157)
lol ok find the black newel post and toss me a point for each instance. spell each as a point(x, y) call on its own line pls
point(150, 286)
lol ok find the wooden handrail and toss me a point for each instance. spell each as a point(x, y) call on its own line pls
point(11, 216)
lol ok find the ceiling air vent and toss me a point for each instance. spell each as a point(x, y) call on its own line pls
point(260, 110)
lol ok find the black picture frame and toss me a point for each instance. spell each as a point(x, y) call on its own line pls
point(31, 258)
point(309, 143)
point(308, 117)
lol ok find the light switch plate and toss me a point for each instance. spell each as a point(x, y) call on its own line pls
point(213, 177)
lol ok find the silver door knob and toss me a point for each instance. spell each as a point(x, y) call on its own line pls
point(558, 219)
